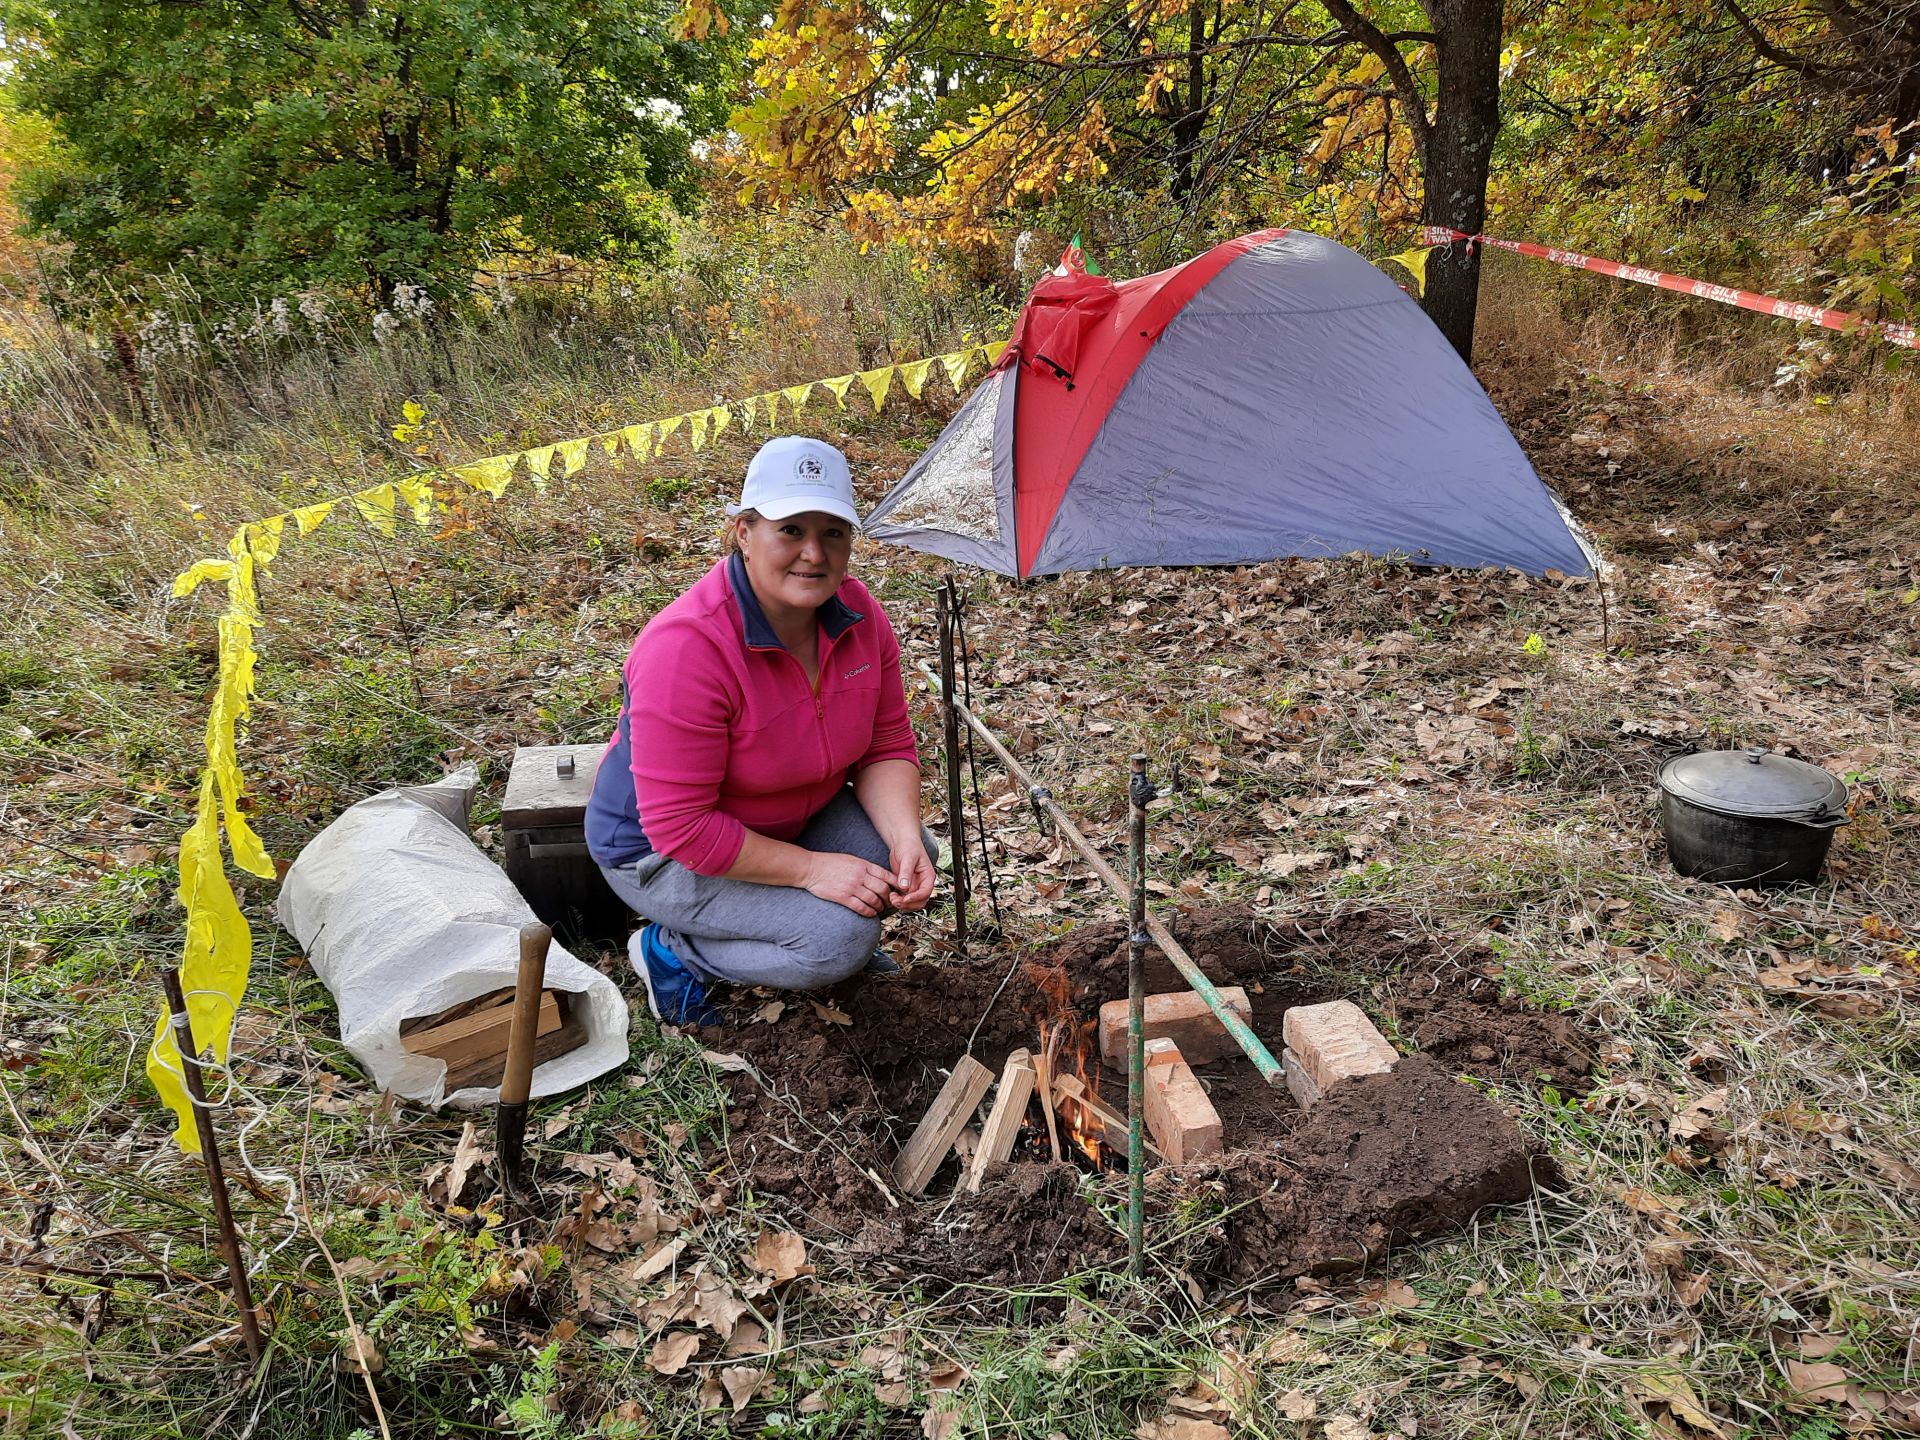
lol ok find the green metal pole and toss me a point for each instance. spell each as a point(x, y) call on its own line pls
point(1243, 1036)
point(1139, 795)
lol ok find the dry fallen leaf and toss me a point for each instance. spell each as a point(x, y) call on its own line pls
point(1392, 1295)
point(742, 1383)
point(359, 1356)
point(780, 1254)
point(657, 1261)
point(1181, 1427)
point(1819, 1382)
point(1284, 863)
point(1297, 1405)
point(1671, 1390)
point(894, 1394)
point(1697, 1118)
point(1346, 1427)
point(1690, 1291)
point(671, 1353)
point(832, 1014)
point(770, 1012)
point(1725, 925)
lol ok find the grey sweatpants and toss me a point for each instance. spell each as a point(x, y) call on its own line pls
point(741, 933)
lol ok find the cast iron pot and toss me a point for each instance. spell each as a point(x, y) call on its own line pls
point(1749, 817)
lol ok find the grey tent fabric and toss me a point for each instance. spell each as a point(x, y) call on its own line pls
point(1299, 404)
point(957, 499)
point(1303, 404)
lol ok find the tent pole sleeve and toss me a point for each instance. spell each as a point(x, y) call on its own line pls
point(1241, 1032)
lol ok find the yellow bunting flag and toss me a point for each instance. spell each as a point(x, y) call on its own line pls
point(311, 517)
point(796, 396)
point(263, 537)
point(573, 456)
point(231, 702)
point(697, 428)
point(198, 573)
point(838, 387)
point(878, 382)
point(668, 426)
point(722, 417)
point(213, 967)
point(1414, 262)
point(772, 397)
point(747, 408)
point(242, 598)
point(540, 465)
point(609, 441)
point(914, 376)
point(994, 351)
point(491, 475)
point(639, 440)
point(417, 492)
point(956, 364)
point(376, 507)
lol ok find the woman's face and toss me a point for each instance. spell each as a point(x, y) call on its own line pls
point(796, 563)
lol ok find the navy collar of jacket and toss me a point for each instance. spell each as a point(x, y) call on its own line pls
point(836, 616)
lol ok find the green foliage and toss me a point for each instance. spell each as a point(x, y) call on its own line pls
point(247, 148)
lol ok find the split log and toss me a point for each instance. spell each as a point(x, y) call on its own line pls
point(944, 1120)
point(1068, 1090)
point(1004, 1120)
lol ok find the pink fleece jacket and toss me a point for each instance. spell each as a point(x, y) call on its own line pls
point(725, 733)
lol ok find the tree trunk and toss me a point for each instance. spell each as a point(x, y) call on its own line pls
point(1191, 124)
point(1458, 154)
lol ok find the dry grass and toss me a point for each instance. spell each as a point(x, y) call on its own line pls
point(1659, 1257)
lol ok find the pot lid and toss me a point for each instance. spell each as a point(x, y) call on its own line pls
point(1756, 782)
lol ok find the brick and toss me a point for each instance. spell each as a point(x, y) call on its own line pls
point(1183, 1121)
point(1335, 1041)
point(1180, 1016)
point(1302, 1085)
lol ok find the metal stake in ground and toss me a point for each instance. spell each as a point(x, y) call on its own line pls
point(516, 1083)
point(1241, 1032)
point(947, 604)
point(1139, 795)
point(210, 1153)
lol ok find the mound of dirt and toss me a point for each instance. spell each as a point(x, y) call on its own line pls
point(840, 1081)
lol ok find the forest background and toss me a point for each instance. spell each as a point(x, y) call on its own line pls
point(256, 254)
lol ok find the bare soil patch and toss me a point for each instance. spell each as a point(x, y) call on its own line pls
point(840, 1083)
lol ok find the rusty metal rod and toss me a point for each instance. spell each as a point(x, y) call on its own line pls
point(946, 603)
point(210, 1155)
point(1042, 798)
point(1139, 796)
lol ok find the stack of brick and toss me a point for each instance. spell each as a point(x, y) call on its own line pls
point(1328, 1043)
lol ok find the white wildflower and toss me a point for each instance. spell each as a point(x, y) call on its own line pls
point(384, 326)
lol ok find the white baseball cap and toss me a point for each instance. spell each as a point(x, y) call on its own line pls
point(792, 474)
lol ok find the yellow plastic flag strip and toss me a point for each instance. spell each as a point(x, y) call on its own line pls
point(772, 397)
point(213, 967)
point(914, 376)
point(957, 363)
point(878, 382)
point(796, 396)
point(540, 465)
point(198, 573)
point(573, 456)
point(1414, 262)
point(669, 425)
point(243, 598)
point(639, 440)
point(697, 429)
point(376, 507)
point(747, 408)
point(417, 493)
point(491, 475)
point(838, 387)
point(263, 538)
point(995, 351)
point(722, 417)
point(609, 441)
point(311, 517)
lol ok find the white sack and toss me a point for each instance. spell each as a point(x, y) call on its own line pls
point(401, 915)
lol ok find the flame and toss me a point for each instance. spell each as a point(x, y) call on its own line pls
point(1064, 1040)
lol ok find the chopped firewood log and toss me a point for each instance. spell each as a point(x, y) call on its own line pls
point(489, 1070)
point(952, 1108)
point(475, 1044)
point(457, 1012)
point(1009, 1112)
point(1068, 1090)
point(1179, 1113)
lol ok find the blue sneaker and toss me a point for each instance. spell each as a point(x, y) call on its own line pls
point(881, 963)
point(674, 993)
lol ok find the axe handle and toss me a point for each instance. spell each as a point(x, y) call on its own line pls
point(517, 1083)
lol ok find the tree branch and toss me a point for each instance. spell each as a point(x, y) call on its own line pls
point(1366, 33)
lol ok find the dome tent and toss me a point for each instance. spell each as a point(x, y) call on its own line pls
point(1274, 396)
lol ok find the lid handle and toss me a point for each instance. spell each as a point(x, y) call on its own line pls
point(1757, 753)
point(563, 767)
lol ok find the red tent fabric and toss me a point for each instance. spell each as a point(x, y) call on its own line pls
point(1077, 344)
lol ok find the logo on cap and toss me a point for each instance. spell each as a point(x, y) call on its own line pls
point(809, 469)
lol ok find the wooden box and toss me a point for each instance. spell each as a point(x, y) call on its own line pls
point(543, 826)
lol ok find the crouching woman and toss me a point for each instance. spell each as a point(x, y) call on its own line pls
point(759, 803)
